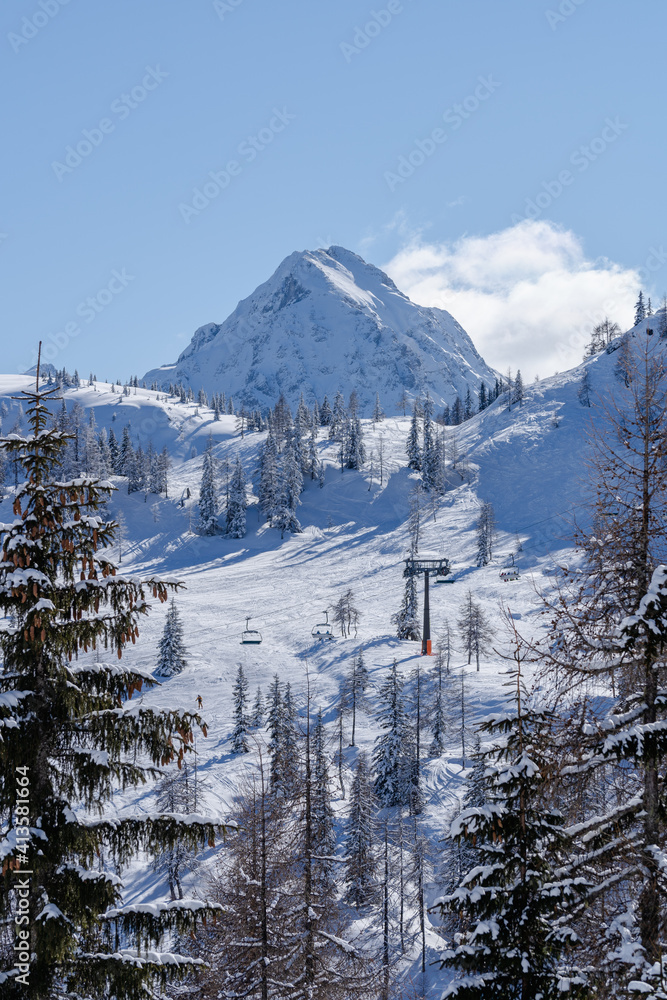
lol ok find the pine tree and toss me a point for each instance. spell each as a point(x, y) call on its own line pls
point(257, 717)
point(515, 904)
point(406, 618)
point(412, 446)
point(378, 412)
point(237, 503)
point(326, 414)
point(355, 452)
point(269, 478)
point(482, 398)
point(593, 617)
point(171, 651)
point(323, 835)
point(430, 454)
point(486, 523)
point(288, 496)
point(518, 391)
point(208, 494)
point(70, 742)
point(467, 405)
point(359, 840)
point(389, 754)
point(354, 687)
point(241, 721)
point(640, 309)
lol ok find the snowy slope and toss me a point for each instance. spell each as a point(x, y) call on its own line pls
point(528, 462)
point(327, 320)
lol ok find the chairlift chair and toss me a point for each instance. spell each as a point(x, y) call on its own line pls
point(508, 575)
point(323, 630)
point(250, 636)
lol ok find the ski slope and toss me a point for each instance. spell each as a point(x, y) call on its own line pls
point(528, 461)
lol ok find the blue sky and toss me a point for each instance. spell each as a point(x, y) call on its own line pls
point(304, 112)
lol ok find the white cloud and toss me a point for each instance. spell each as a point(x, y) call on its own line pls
point(528, 296)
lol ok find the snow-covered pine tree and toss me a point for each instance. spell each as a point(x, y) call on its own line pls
point(354, 687)
point(440, 671)
point(208, 493)
point(235, 515)
point(514, 901)
point(338, 418)
point(468, 408)
point(640, 309)
point(284, 760)
point(389, 753)
point(69, 740)
point(406, 618)
point(257, 717)
point(430, 455)
point(482, 398)
point(241, 721)
point(326, 414)
point(355, 452)
point(378, 413)
point(486, 523)
point(171, 650)
point(518, 390)
point(289, 491)
point(269, 478)
point(412, 446)
point(359, 840)
point(323, 835)
point(587, 641)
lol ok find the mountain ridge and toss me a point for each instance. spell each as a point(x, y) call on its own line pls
point(327, 320)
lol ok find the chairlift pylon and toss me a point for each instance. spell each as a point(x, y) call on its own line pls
point(250, 636)
point(323, 630)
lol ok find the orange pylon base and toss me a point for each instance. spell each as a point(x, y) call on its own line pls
point(427, 651)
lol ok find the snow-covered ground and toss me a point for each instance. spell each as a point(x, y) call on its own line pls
point(528, 463)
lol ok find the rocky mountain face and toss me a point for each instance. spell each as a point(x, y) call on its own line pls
point(327, 320)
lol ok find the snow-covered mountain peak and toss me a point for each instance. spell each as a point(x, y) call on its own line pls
point(328, 320)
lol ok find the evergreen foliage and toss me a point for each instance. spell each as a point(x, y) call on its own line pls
point(514, 901)
point(241, 721)
point(208, 494)
point(71, 741)
point(391, 752)
point(237, 504)
point(171, 651)
point(406, 618)
point(359, 840)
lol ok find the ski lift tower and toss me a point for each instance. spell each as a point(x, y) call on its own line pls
point(429, 567)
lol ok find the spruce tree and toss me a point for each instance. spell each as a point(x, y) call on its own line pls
point(359, 840)
point(412, 447)
point(354, 687)
point(237, 503)
point(208, 494)
point(514, 901)
point(69, 742)
point(406, 618)
point(257, 717)
point(389, 754)
point(486, 524)
point(171, 651)
point(241, 721)
point(640, 309)
point(323, 835)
